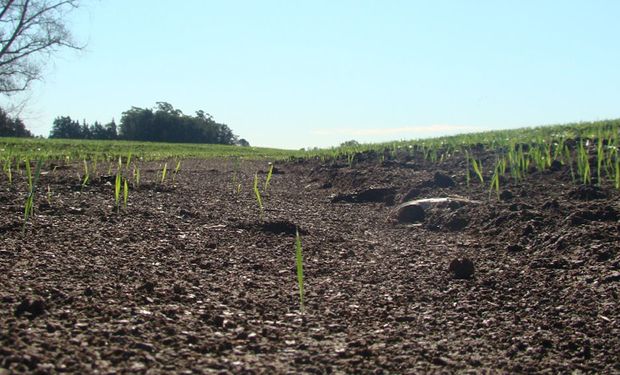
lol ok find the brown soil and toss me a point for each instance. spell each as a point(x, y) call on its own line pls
point(189, 278)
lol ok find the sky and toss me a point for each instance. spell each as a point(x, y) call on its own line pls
point(316, 73)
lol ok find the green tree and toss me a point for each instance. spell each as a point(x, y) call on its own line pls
point(12, 126)
point(65, 127)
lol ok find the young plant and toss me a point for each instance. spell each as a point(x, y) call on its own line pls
point(7, 170)
point(478, 169)
point(176, 171)
point(269, 174)
point(300, 269)
point(32, 185)
point(163, 173)
point(257, 194)
point(495, 180)
point(136, 175)
point(117, 190)
point(125, 192)
point(86, 175)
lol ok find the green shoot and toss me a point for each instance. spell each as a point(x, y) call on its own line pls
point(32, 185)
point(300, 269)
point(163, 173)
point(49, 195)
point(136, 175)
point(86, 175)
point(176, 170)
point(269, 174)
point(257, 194)
point(125, 192)
point(495, 180)
point(128, 160)
point(478, 169)
point(600, 156)
point(117, 190)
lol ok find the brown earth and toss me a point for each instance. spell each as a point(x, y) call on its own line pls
point(189, 278)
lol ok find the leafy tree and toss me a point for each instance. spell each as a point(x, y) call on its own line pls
point(65, 127)
point(12, 127)
point(351, 143)
point(30, 30)
point(243, 143)
point(164, 123)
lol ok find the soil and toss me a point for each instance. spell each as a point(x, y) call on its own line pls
point(192, 278)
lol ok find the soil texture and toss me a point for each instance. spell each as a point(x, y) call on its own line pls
point(191, 277)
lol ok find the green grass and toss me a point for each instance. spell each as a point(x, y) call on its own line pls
point(520, 150)
point(74, 150)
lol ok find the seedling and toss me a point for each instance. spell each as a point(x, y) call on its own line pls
point(136, 175)
point(269, 174)
point(86, 175)
point(176, 170)
point(117, 190)
point(125, 192)
point(32, 185)
point(300, 269)
point(163, 173)
point(257, 194)
point(478, 169)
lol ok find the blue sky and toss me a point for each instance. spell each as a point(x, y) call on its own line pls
point(293, 74)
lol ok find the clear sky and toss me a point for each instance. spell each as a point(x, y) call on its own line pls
point(293, 74)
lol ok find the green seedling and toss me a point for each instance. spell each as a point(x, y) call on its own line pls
point(32, 185)
point(7, 170)
point(269, 174)
point(136, 175)
point(117, 190)
point(176, 171)
point(163, 173)
point(495, 180)
point(49, 195)
point(600, 157)
point(300, 269)
point(257, 194)
point(125, 192)
point(128, 160)
point(478, 169)
point(86, 175)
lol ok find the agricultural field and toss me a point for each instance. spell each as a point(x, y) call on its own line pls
point(495, 252)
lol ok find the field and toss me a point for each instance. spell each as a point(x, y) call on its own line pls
point(186, 259)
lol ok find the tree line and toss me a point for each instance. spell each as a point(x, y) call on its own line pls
point(163, 123)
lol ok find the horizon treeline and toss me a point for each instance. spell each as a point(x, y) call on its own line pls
point(163, 123)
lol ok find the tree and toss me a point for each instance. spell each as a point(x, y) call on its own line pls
point(64, 127)
point(30, 31)
point(164, 123)
point(12, 127)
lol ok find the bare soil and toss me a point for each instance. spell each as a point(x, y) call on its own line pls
point(192, 278)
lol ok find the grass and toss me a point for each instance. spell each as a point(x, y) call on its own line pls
point(259, 200)
point(32, 185)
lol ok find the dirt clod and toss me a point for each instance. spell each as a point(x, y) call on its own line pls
point(461, 268)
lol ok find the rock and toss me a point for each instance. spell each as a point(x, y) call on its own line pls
point(506, 195)
point(514, 248)
point(442, 180)
point(461, 268)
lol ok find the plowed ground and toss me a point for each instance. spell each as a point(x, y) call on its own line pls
point(191, 278)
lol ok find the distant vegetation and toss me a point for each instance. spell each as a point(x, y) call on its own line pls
point(164, 123)
point(12, 126)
